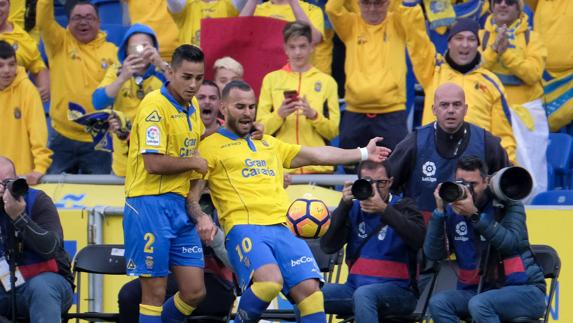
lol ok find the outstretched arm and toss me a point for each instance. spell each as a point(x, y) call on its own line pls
point(327, 155)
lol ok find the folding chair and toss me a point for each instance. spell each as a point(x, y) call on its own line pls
point(105, 259)
point(548, 259)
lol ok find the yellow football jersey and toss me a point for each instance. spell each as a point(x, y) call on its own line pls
point(162, 126)
point(189, 19)
point(246, 177)
point(27, 53)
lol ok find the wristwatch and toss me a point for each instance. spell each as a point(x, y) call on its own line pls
point(474, 218)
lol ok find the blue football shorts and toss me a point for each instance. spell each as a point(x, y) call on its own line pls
point(158, 234)
point(252, 246)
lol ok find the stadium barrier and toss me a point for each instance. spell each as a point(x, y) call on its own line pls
point(91, 208)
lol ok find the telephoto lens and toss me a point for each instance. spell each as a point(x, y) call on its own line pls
point(362, 189)
point(452, 191)
point(17, 187)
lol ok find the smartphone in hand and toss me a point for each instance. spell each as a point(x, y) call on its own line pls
point(290, 95)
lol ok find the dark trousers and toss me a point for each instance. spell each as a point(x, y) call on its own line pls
point(356, 129)
point(217, 302)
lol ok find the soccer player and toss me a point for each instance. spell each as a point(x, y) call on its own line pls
point(159, 236)
point(245, 177)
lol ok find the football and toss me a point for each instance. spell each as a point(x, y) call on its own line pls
point(308, 218)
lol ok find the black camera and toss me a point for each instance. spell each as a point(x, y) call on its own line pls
point(362, 189)
point(454, 191)
point(16, 186)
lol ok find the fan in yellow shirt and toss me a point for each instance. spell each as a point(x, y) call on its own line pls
point(79, 57)
point(124, 86)
point(188, 15)
point(310, 115)
point(23, 120)
point(27, 53)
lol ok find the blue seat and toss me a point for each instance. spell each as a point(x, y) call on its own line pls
point(557, 197)
point(114, 32)
point(110, 11)
point(559, 160)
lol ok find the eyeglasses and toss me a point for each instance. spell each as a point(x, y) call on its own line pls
point(378, 182)
point(507, 2)
point(88, 18)
point(139, 82)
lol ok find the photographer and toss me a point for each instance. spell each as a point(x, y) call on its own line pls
point(428, 155)
point(383, 233)
point(32, 233)
point(490, 242)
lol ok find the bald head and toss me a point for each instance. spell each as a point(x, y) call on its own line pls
point(7, 169)
point(450, 107)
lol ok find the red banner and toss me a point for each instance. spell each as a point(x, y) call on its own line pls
point(255, 42)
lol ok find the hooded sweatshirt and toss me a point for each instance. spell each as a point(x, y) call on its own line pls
point(520, 67)
point(76, 69)
point(127, 99)
point(321, 92)
point(26, 48)
point(24, 121)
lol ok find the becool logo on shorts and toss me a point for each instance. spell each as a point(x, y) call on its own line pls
point(300, 261)
point(194, 249)
point(429, 170)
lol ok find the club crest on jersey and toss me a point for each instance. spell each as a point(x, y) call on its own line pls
point(17, 113)
point(152, 136)
point(317, 86)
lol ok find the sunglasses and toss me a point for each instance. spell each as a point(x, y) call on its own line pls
point(507, 2)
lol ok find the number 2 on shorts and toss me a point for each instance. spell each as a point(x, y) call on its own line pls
point(150, 238)
point(245, 246)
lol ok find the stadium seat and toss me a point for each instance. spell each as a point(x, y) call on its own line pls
point(110, 11)
point(115, 32)
point(559, 160)
point(556, 197)
point(105, 259)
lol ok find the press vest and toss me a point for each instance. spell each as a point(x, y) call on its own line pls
point(469, 248)
point(383, 258)
point(431, 168)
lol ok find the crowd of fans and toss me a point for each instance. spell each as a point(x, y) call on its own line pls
point(489, 71)
point(502, 66)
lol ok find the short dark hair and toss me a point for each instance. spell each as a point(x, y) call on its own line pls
point(295, 29)
point(188, 53)
point(213, 84)
point(6, 50)
point(368, 164)
point(471, 163)
point(235, 84)
point(70, 5)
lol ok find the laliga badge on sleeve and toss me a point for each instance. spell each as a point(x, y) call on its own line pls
point(152, 136)
point(5, 275)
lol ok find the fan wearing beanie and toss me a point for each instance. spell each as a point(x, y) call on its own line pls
point(462, 65)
